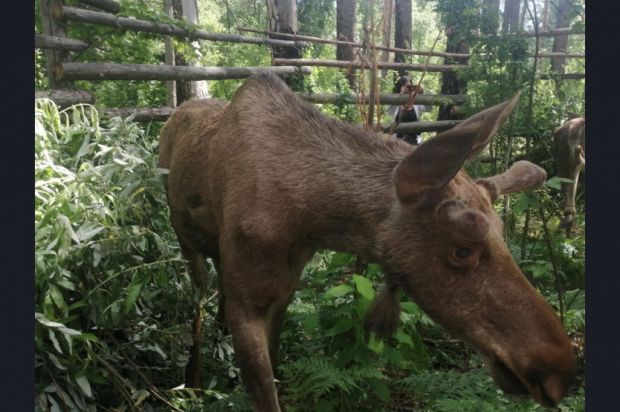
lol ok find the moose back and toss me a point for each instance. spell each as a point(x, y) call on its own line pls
point(261, 183)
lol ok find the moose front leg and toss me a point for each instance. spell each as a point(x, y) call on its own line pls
point(257, 295)
point(249, 333)
point(275, 319)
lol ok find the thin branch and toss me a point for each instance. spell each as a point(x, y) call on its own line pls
point(554, 266)
point(152, 388)
point(528, 116)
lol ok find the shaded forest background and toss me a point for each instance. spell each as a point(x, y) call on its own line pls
point(114, 302)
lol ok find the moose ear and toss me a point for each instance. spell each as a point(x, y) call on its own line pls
point(490, 121)
point(435, 162)
point(521, 176)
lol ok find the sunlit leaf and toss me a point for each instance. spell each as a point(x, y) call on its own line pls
point(364, 287)
point(338, 291)
point(84, 385)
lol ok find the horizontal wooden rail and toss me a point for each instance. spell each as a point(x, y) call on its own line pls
point(105, 19)
point(312, 39)
point(419, 127)
point(106, 5)
point(43, 41)
point(565, 76)
point(113, 71)
point(380, 65)
point(149, 114)
point(552, 33)
point(66, 98)
point(560, 54)
point(422, 99)
point(161, 114)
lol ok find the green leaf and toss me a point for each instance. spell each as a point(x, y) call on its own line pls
point(44, 321)
point(380, 389)
point(139, 396)
point(343, 325)
point(339, 259)
point(411, 308)
point(403, 338)
point(556, 182)
point(372, 269)
point(338, 291)
point(58, 300)
point(56, 362)
point(364, 287)
point(311, 322)
point(84, 385)
point(88, 230)
point(133, 292)
point(375, 345)
point(54, 340)
point(54, 407)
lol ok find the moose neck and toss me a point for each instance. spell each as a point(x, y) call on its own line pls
point(360, 199)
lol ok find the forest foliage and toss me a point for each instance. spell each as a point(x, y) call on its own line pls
point(114, 302)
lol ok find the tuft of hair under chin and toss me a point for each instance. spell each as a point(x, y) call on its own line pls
point(384, 314)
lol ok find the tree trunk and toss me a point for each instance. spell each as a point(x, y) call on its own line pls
point(282, 16)
point(52, 26)
point(522, 16)
point(402, 30)
point(510, 22)
point(545, 16)
point(490, 17)
point(451, 83)
point(388, 8)
point(560, 42)
point(345, 29)
point(188, 10)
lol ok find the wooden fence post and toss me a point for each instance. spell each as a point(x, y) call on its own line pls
point(171, 85)
point(54, 27)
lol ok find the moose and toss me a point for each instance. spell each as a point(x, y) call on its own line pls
point(569, 142)
point(260, 184)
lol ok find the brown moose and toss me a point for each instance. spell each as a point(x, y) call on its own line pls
point(569, 141)
point(262, 183)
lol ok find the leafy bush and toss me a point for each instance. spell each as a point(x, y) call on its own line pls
point(110, 286)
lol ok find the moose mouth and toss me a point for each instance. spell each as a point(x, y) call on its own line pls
point(512, 384)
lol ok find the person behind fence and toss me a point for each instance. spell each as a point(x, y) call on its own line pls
point(410, 113)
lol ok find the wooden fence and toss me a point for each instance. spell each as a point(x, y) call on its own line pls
point(62, 71)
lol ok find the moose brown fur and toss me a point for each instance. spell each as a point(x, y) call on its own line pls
point(261, 184)
point(569, 142)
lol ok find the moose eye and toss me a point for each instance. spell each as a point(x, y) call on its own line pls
point(462, 252)
point(461, 257)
